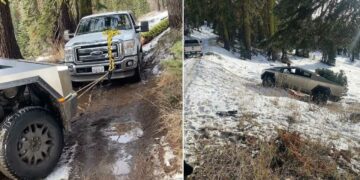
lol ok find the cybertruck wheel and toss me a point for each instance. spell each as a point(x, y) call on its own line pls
point(268, 81)
point(320, 97)
point(31, 142)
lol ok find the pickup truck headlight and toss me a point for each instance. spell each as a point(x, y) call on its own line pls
point(69, 55)
point(129, 48)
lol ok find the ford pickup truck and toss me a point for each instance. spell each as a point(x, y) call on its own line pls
point(86, 52)
point(192, 48)
point(37, 103)
point(305, 81)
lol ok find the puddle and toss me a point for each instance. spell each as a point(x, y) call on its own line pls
point(124, 133)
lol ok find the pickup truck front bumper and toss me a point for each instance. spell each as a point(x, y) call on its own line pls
point(193, 54)
point(123, 68)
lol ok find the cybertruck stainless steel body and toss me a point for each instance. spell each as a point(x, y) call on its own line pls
point(54, 79)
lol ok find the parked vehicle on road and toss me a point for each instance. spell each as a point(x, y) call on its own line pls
point(305, 81)
point(37, 103)
point(86, 53)
point(192, 48)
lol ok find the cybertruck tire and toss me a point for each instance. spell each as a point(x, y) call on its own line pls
point(268, 81)
point(31, 143)
point(320, 98)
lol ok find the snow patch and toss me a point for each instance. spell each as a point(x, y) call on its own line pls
point(62, 171)
point(121, 166)
point(154, 17)
point(129, 136)
point(168, 156)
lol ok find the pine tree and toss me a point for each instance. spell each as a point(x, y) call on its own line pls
point(175, 13)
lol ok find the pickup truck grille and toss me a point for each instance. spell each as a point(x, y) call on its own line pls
point(95, 53)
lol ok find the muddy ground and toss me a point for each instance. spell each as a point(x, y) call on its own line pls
point(108, 113)
point(113, 130)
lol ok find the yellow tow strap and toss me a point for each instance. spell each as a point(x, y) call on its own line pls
point(110, 34)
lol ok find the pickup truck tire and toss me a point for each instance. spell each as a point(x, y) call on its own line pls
point(268, 81)
point(320, 97)
point(31, 144)
point(137, 75)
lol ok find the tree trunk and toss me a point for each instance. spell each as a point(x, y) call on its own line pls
point(226, 38)
point(85, 8)
point(247, 30)
point(8, 45)
point(64, 22)
point(175, 13)
point(158, 5)
point(272, 27)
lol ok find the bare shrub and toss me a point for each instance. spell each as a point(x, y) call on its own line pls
point(287, 156)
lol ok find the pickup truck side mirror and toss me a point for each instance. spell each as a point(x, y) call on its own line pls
point(144, 26)
point(68, 35)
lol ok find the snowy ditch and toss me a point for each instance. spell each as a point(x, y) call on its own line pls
point(223, 82)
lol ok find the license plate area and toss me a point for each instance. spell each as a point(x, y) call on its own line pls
point(98, 69)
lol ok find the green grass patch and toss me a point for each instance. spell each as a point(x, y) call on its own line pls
point(177, 50)
point(173, 66)
point(156, 30)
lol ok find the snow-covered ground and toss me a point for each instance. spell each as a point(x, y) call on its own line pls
point(154, 17)
point(221, 81)
point(62, 171)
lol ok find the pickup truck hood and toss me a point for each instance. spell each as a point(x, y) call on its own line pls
point(98, 37)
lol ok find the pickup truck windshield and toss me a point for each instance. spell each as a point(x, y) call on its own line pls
point(102, 23)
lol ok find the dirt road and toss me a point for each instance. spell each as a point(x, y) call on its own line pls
point(109, 131)
point(112, 128)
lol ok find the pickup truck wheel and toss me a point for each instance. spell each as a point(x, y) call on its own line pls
point(137, 75)
point(268, 81)
point(31, 144)
point(320, 98)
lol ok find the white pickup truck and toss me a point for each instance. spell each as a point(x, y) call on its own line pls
point(86, 53)
point(192, 48)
